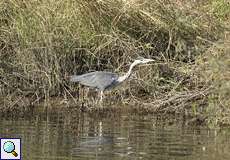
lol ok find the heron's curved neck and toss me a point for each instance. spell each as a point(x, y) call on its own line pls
point(124, 77)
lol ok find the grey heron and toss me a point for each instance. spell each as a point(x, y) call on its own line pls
point(102, 80)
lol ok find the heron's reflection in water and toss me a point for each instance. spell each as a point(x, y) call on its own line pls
point(96, 143)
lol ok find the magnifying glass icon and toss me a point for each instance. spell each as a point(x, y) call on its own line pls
point(9, 147)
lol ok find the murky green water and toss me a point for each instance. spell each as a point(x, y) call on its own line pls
point(73, 135)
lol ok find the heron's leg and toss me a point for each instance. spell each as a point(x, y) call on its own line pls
point(101, 98)
point(101, 93)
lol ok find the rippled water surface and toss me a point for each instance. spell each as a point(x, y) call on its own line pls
point(73, 135)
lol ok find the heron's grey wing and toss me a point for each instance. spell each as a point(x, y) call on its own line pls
point(105, 80)
point(99, 79)
point(87, 79)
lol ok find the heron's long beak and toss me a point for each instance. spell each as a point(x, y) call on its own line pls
point(147, 61)
point(150, 60)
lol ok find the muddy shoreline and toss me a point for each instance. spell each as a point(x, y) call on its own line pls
point(71, 108)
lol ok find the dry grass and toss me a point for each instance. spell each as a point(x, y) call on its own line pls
point(43, 42)
point(214, 67)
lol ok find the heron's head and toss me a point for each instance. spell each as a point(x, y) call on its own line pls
point(142, 60)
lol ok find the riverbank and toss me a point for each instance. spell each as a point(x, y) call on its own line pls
point(43, 42)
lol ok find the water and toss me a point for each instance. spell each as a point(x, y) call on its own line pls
point(114, 136)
